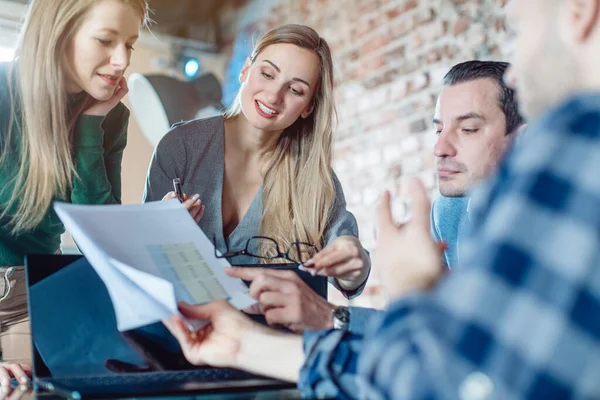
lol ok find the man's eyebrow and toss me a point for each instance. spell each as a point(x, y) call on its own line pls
point(463, 117)
point(470, 115)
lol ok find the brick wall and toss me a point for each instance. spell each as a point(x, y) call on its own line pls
point(390, 58)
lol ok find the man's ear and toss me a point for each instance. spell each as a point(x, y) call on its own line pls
point(244, 72)
point(520, 129)
point(583, 18)
point(518, 133)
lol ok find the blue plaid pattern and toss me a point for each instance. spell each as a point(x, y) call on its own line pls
point(521, 317)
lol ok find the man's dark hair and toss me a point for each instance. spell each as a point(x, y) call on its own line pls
point(472, 70)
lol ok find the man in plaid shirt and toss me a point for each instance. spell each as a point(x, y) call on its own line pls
point(521, 317)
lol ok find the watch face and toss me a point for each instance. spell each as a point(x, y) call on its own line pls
point(341, 317)
point(342, 314)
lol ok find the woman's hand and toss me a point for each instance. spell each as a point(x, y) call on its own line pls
point(102, 108)
point(193, 205)
point(345, 259)
point(285, 299)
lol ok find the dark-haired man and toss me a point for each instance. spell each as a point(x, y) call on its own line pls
point(476, 120)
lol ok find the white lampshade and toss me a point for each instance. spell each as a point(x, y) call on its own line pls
point(159, 101)
point(147, 108)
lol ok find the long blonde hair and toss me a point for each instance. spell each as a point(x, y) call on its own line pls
point(298, 190)
point(36, 83)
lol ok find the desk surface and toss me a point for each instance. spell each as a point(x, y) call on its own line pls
point(262, 395)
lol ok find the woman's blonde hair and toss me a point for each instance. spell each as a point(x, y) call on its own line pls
point(38, 96)
point(298, 189)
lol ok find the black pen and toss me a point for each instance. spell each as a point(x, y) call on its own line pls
point(178, 190)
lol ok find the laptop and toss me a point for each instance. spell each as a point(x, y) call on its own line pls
point(79, 353)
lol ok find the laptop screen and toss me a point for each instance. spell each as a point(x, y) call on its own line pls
point(73, 325)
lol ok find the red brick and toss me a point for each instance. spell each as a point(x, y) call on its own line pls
point(380, 20)
point(368, 6)
point(396, 54)
point(433, 56)
point(375, 43)
point(450, 51)
point(356, 73)
point(391, 14)
point(408, 5)
point(354, 55)
point(435, 30)
point(425, 16)
point(401, 27)
point(409, 66)
point(461, 25)
point(363, 29)
point(416, 40)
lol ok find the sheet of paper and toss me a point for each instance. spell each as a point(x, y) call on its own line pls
point(150, 256)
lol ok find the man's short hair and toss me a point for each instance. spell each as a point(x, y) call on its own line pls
point(472, 70)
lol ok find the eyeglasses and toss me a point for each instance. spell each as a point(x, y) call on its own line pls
point(267, 248)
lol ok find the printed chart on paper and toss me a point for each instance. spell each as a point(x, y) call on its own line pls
point(183, 262)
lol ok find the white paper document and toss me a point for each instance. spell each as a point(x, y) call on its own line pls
point(150, 256)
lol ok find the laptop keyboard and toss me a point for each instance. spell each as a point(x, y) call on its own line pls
point(153, 378)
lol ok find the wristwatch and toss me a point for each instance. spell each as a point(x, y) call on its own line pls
point(340, 317)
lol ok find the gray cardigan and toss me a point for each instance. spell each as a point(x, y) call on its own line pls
point(194, 152)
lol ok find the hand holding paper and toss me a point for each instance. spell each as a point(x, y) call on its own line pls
point(151, 256)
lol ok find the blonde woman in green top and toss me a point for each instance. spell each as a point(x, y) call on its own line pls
point(62, 134)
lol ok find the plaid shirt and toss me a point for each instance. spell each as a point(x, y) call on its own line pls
point(521, 317)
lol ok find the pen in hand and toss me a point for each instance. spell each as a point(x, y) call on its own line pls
point(193, 204)
point(178, 189)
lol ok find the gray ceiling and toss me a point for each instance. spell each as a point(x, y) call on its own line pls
point(192, 19)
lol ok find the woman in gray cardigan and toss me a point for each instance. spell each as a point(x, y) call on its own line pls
point(264, 168)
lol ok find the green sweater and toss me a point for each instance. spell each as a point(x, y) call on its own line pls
point(97, 150)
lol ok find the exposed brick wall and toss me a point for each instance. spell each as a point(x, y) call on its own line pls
point(390, 58)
